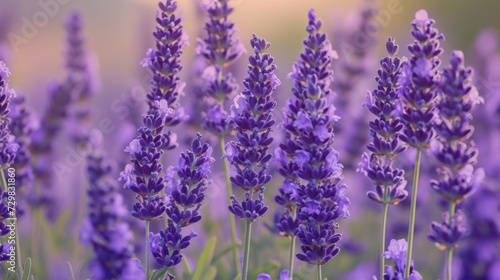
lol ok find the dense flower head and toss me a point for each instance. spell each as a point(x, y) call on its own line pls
point(419, 83)
point(449, 232)
point(104, 227)
point(220, 47)
point(185, 201)
point(385, 131)
point(144, 175)
point(396, 252)
point(308, 161)
point(164, 61)
point(252, 116)
point(8, 146)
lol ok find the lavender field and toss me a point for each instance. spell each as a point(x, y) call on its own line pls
point(249, 139)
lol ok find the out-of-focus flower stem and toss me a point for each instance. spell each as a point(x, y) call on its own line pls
point(318, 267)
point(146, 259)
point(449, 251)
point(246, 249)
point(232, 223)
point(413, 209)
point(17, 244)
point(292, 247)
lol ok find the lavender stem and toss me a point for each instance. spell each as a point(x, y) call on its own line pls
point(413, 211)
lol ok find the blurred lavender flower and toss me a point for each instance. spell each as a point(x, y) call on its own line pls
point(104, 227)
point(396, 252)
point(308, 161)
point(220, 48)
point(164, 62)
point(5, 214)
point(453, 150)
point(8, 146)
point(184, 203)
point(419, 82)
point(385, 130)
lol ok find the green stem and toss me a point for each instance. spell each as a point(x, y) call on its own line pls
point(18, 262)
point(382, 238)
point(147, 250)
point(232, 223)
point(413, 209)
point(318, 266)
point(246, 249)
point(449, 251)
point(292, 247)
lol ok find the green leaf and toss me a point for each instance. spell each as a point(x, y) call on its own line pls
point(205, 259)
point(238, 277)
point(211, 273)
point(224, 251)
point(159, 274)
point(27, 269)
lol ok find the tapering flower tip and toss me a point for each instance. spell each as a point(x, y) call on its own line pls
point(449, 233)
point(314, 24)
point(396, 252)
point(259, 45)
point(391, 46)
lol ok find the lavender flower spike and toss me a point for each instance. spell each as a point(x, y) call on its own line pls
point(104, 227)
point(457, 177)
point(185, 201)
point(252, 115)
point(397, 251)
point(417, 92)
point(312, 162)
point(8, 146)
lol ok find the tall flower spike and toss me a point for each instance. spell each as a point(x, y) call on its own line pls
point(164, 61)
point(104, 227)
point(8, 146)
point(220, 47)
point(185, 201)
point(457, 154)
point(396, 252)
point(252, 115)
point(385, 130)
point(307, 155)
point(417, 92)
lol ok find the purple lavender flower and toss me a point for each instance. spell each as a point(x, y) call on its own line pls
point(220, 48)
point(396, 252)
point(457, 177)
point(419, 82)
point(8, 146)
point(185, 201)
point(252, 115)
point(4, 229)
point(164, 62)
point(104, 227)
point(307, 157)
point(385, 130)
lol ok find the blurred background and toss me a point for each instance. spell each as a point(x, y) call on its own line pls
point(118, 34)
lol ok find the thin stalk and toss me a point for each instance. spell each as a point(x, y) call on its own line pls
point(246, 249)
point(147, 249)
point(318, 266)
point(18, 261)
point(382, 237)
point(413, 209)
point(292, 247)
point(449, 251)
point(232, 223)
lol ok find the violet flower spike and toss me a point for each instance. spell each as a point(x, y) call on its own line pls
point(185, 200)
point(458, 179)
point(417, 92)
point(396, 252)
point(253, 118)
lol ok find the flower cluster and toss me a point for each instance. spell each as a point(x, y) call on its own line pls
point(144, 175)
point(220, 48)
point(164, 62)
point(252, 115)
point(308, 161)
point(396, 252)
point(8, 146)
point(104, 227)
point(385, 130)
point(5, 248)
point(457, 177)
point(185, 199)
point(419, 83)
